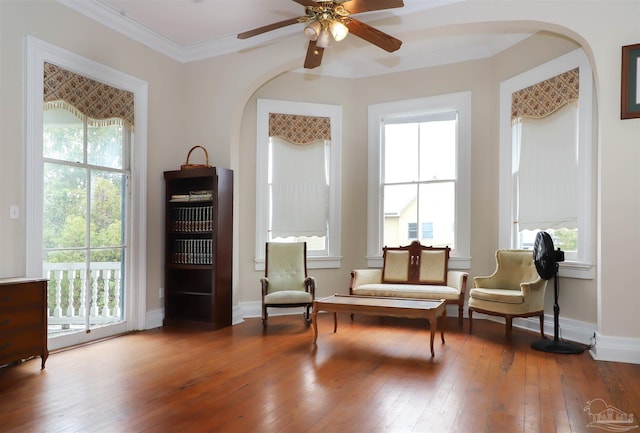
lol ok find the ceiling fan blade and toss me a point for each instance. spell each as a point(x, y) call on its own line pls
point(314, 56)
point(306, 2)
point(358, 6)
point(268, 28)
point(374, 36)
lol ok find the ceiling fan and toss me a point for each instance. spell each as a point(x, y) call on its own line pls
point(332, 20)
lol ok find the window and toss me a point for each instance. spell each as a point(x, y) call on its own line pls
point(546, 161)
point(84, 208)
point(427, 231)
point(412, 232)
point(94, 161)
point(419, 175)
point(298, 179)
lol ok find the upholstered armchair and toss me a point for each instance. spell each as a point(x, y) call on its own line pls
point(285, 283)
point(514, 290)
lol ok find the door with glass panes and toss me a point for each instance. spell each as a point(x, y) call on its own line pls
point(85, 186)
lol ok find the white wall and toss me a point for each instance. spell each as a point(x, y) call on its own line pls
point(356, 95)
point(167, 117)
point(610, 304)
point(210, 103)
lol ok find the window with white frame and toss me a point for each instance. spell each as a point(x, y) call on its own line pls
point(419, 175)
point(52, 151)
point(427, 231)
point(546, 160)
point(298, 178)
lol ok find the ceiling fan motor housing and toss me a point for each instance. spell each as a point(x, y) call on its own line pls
point(330, 20)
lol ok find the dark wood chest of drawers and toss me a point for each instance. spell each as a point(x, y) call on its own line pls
point(23, 319)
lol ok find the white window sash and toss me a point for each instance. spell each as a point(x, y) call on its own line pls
point(411, 110)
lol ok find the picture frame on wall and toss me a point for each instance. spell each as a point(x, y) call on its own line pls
point(630, 97)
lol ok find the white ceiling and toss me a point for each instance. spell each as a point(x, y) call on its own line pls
point(189, 30)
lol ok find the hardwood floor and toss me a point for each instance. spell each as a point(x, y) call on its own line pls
point(374, 375)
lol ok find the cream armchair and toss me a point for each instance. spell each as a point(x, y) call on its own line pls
point(285, 282)
point(514, 290)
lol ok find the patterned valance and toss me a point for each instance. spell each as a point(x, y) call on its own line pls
point(299, 129)
point(98, 103)
point(546, 97)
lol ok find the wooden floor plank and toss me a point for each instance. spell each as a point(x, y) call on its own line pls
point(374, 375)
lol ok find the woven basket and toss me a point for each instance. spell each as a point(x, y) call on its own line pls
point(188, 165)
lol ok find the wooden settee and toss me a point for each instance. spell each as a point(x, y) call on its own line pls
point(413, 271)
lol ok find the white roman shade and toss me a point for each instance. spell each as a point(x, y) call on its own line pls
point(299, 175)
point(547, 182)
point(299, 189)
point(545, 124)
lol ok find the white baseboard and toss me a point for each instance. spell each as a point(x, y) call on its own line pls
point(569, 329)
point(236, 315)
point(154, 318)
point(254, 309)
point(606, 348)
point(617, 349)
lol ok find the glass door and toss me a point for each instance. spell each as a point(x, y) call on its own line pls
point(86, 172)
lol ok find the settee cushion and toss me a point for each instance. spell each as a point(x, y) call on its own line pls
point(418, 291)
point(433, 266)
point(396, 266)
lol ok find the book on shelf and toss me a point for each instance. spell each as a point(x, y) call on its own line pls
point(192, 218)
point(192, 252)
point(199, 195)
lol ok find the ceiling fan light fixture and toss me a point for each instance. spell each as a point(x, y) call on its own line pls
point(338, 30)
point(312, 31)
point(324, 40)
point(329, 20)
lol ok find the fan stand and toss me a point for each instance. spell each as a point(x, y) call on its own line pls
point(556, 345)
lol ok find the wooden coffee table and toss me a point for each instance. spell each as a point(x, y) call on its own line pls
point(394, 307)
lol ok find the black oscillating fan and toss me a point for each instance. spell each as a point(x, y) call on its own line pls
point(546, 259)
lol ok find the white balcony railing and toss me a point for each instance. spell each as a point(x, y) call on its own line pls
point(79, 297)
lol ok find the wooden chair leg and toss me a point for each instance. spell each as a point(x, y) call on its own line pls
point(307, 315)
point(509, 324)
point(264, 315)
point(460, 314)
point(542, 325)
point(470, 320)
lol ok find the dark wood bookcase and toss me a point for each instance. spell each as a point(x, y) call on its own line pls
point(198, 246)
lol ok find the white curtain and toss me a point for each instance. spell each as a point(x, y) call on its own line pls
point(299, 188)
point(548, 171)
